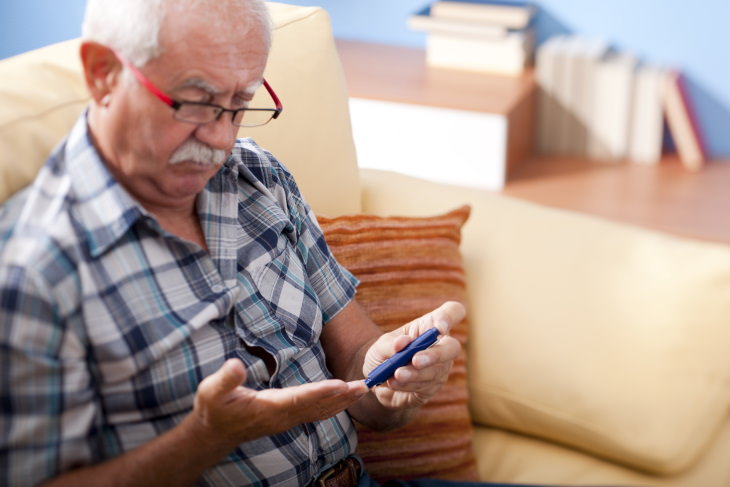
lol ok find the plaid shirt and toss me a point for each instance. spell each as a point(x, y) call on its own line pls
point(108, 323)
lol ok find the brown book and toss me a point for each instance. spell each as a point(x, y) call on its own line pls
point(682, 123)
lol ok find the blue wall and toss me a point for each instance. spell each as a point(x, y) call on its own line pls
point(28, 24)
point(692, 35)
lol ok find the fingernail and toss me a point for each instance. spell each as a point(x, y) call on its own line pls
point(422, 361)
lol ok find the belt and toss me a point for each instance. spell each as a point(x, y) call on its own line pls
point(345, 473)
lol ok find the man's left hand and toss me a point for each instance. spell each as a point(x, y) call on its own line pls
point(413, 385)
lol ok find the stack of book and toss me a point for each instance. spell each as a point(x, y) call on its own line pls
point(600, 103)
point(492, 36)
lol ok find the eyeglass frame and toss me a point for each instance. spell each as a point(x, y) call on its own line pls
point(176, 104)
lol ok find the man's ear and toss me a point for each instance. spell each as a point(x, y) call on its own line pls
point(102, 70)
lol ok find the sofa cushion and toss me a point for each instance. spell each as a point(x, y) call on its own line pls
point(407, 267)
point(602, 336)
point(505, 456)
point(43, 92)
point(41, 95)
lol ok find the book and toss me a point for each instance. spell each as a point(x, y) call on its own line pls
point(647, 115)
point(424, 21)
point(582, 57)
point(515, 15)
point(565, 119)
point(504, 56)
point(612, 101)
point(547, 77)
point(682, 122)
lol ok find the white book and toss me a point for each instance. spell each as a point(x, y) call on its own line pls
point(584, 56)
point(506, 56)
point(613, 100)
point(647, 120)
point(510, 14)
point(565, 120)
point(548, 110)
point(422, 21)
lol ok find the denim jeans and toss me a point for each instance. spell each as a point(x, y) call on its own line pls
point(366, 481)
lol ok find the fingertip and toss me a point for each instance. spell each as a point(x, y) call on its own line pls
point(234, 364)
point(403, 375)
point(358, 386)
point(421, 361)
point(451, 313)
point(332, 387)
point(234, 370)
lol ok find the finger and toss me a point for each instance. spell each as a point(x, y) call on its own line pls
point(304, 395)
point(314, 401)
point(358, 387)
point(423, 390)
point(229, 376)
point(386, 346)
point(340, 402)
point(447, 349)
point(413, 374)
point(445, 317)
point(400, 342)
point(448, 315)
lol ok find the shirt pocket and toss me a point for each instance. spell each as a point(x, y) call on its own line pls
point(278, 306)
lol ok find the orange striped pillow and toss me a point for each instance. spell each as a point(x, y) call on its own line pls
point(408, 266)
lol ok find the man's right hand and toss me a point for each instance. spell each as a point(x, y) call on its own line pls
point(225, 415)
point(228, 414)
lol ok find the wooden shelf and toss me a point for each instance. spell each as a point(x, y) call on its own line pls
point(400, 74)
point(665, 197)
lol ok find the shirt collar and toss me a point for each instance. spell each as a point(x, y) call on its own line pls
point(106, 211)
point(102, 207)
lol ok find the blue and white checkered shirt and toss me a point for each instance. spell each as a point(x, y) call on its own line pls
point(108, 323)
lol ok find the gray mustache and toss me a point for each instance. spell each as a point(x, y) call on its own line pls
point(199, 153)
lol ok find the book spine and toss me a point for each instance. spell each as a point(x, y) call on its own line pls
point(613, 99)
point(548, 108)
point(647, 122)
point(507, 56)
point(514, 16)
point(683, 124)
point(430, 24)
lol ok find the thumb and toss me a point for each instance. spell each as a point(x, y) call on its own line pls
point(231, 375)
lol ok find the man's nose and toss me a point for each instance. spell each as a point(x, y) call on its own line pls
point(219, 133)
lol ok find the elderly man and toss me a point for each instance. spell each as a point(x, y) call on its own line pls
point(170, 312)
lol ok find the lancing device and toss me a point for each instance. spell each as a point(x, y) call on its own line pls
point(385, 371)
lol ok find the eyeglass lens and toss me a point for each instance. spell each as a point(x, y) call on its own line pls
point(201, 114)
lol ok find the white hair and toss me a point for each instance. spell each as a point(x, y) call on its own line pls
point(132, 27)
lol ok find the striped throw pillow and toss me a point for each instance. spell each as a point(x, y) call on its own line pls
point(408, 266)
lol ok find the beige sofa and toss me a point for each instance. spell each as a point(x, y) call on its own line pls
point(598, 353)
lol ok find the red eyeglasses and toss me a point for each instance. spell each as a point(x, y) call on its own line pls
point(201, 113)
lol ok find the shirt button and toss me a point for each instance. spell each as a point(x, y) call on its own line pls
point(217, 288)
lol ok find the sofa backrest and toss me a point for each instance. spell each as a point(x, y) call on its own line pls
point(42, 92)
